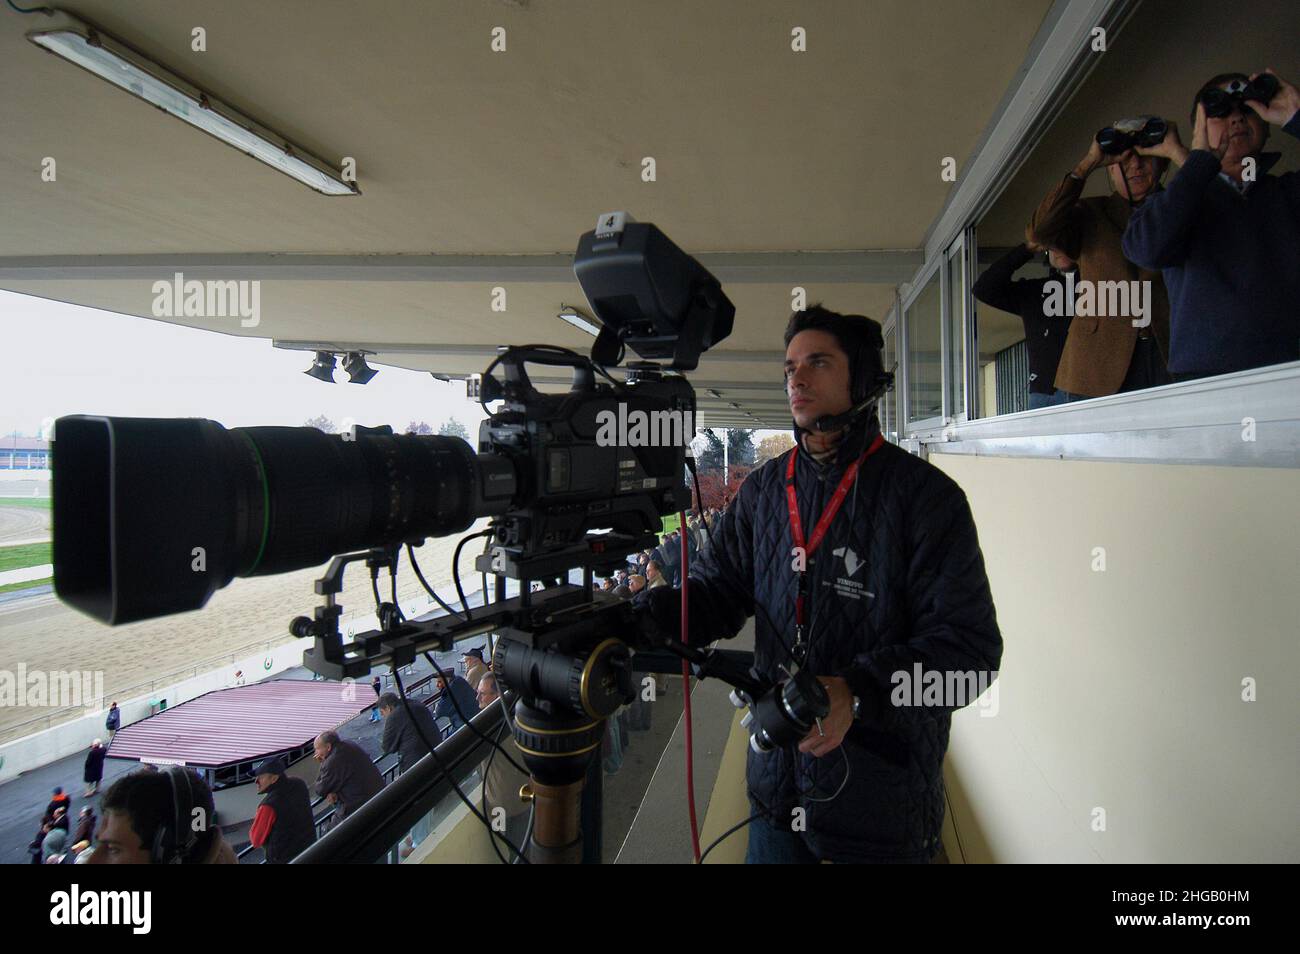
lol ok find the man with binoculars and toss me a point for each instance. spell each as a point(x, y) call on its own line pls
point(1107, 353)
point(1226, 234)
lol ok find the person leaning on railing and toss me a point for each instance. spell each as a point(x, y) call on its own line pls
point(284, 823)
point(348, 778)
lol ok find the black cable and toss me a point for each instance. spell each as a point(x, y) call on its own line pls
point(508, 718)
point(374, 588)
point(446, 680)
point(583, 361)
point(410, 555)
point(836, 793)
point(48, 11)
point(486, 770)
point(763, 811)
point(455, 568)
point(401, 691)
point(728, 833)
point(392, 581)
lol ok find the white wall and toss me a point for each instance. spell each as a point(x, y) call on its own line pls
point(1122, 689)
point(49, 745)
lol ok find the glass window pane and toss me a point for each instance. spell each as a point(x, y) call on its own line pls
point(888, 402)
point(956, 383)
point(924, 371)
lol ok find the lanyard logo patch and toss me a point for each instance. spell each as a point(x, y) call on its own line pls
point(851, 562)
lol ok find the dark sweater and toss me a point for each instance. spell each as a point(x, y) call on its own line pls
point(349, 773)
point(898, 581)
point(1231, 264)
point(457, 699)
point(1044, 335)
point(409, 742)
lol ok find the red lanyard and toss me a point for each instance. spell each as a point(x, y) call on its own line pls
point(823, 524)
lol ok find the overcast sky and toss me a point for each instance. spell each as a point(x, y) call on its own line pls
point(66, 359)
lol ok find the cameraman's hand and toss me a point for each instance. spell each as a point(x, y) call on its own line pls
point(837, 722)
point(1171, 147)
point(1201, 135)
point(658, 617)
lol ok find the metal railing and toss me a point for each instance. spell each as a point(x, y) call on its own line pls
point(373, 831)
point(325, 821)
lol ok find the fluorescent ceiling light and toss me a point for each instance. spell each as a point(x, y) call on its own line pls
point(578, 320)
point(109, 59)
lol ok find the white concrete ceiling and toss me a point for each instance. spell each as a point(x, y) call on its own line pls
point(465, 152)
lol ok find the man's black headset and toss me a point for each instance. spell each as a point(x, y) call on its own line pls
point(175, 838)
point(868, 378)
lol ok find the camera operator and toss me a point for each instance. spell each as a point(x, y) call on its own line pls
point(895, 578)
point(1106, 354)
point(1228, 246)
point(1044, 334)
point(159, 818)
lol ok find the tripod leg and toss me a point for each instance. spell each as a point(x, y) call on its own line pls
point(557, 829)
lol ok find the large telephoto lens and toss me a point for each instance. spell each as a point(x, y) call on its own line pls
point(154, 515)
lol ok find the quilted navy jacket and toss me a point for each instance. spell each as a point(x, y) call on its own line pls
point(898, 579)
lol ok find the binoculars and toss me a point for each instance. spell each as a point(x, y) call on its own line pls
point(1126, 134)
point(1221, 102)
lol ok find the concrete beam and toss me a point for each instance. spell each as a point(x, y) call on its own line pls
point(868, 266)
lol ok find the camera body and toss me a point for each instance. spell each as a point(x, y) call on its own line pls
point(597, 457)
point(152, 516)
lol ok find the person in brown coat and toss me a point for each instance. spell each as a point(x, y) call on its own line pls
point(1105, 353)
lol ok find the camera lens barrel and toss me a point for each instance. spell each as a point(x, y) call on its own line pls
point(151, 515)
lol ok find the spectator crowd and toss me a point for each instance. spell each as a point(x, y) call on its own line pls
point(1218, 245)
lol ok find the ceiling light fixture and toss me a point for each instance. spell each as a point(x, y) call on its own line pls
point(574, 317)
point(322, 369)
point(128, 69)
point(358, 371)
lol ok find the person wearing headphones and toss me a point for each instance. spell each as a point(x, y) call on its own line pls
point(1104, 353)
point(159, 818)
point(859, 561)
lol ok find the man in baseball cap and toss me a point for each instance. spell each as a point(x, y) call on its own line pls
point(475, 668)
point(284, 824)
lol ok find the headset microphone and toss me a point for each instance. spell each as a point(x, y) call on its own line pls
point(836, 422)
